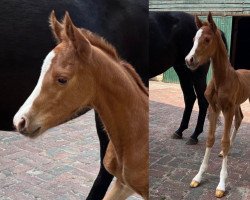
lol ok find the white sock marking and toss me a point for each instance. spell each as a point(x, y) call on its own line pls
point(233, 135)
point(223, 175)
point(203, 166)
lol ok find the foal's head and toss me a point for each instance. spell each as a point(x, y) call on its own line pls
point(204, 43)
point(66, 84)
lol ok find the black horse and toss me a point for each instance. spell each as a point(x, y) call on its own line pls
point(170, 40)
point(26, 39)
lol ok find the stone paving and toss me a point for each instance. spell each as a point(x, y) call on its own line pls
point(173, 164)
point(60, 165)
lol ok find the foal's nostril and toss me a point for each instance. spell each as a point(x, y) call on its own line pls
point(191, 60)
point(21, 125)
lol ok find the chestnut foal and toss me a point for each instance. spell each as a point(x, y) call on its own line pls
point(83, 71)
point(226, 91)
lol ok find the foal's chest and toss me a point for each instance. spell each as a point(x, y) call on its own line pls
point(220, 97)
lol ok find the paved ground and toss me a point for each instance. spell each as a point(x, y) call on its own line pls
point(173, 164)
point(60, 165)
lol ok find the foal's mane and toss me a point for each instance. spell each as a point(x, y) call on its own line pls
point(222, 43)
point(135, 76)
point(101, 43)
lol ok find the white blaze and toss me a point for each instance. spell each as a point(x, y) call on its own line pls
point(28, 103)
point(196, 42)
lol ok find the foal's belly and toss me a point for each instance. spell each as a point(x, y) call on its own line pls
point(244, 78)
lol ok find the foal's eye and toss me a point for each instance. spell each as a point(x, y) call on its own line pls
point(207, 40)
point(62, 80)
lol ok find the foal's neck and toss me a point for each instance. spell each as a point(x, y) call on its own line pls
point(220, 63)
point(122, 105)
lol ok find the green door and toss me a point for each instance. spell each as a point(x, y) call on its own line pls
point(225, 24)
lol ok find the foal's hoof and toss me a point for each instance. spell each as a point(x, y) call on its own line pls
point(219, 193)
point(194, 184)
point(220, 154)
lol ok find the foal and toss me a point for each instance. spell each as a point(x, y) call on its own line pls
point(83, 71)
point(226, 91)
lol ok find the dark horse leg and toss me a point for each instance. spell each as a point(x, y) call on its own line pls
point(103, 179)
point(200, 85)
point(185, 77)
point(193, 84)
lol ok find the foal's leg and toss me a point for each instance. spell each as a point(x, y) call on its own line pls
point(103, 179)
point(225, 143)
point(237, 121)
point(118, 192)
point(185, 78)
point(213, 116)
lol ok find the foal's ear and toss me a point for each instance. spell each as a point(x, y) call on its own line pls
point(198, 22)
point(211, 22)
point(74, 35)
point(56, 27)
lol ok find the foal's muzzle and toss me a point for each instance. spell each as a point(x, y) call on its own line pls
point(191, 62)
point(23, 127)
